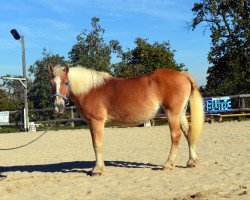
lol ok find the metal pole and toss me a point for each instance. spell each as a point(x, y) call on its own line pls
point(26, 124)
point(72, 116)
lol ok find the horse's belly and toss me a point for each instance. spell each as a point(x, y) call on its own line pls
point(133, 116)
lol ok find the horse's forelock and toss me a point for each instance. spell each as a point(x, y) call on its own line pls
point(58, 71)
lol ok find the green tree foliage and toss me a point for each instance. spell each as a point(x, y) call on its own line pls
point(40, 91)
point(91, 51)
point(14, 89)
point(6, 103)
point(229, 23)
point(144, 58)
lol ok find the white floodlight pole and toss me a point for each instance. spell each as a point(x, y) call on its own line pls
point(16, 35)
point(26, 124)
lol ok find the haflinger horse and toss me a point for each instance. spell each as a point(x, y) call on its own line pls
point(102, 98)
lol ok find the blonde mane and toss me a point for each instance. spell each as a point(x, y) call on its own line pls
point(82, 80)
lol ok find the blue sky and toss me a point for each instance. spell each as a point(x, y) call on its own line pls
point(54, 25)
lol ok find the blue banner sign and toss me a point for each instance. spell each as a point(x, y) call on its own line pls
point(217, 105)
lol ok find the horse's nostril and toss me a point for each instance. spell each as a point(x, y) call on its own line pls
point(61, 108)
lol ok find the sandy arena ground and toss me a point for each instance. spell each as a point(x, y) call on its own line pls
point(57, 166)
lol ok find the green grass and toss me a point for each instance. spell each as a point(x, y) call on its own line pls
point(9, 130)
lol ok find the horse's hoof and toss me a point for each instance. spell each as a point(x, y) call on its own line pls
point(191, 163)
point(167, 168)
point(96, 173)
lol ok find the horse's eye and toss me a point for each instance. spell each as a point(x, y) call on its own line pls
point(67, 83)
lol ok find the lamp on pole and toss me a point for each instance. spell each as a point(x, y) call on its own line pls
point(16, 35)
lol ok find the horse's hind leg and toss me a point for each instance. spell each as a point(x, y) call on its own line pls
point(185, 127)
point(174, 125)
point(96, 129)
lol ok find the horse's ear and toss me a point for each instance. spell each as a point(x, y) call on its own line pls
point(66, 69)
point(50, 68)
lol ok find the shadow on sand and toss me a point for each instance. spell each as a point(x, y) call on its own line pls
point(75, 166)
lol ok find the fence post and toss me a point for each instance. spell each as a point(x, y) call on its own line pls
point(72, 116)
point(242, 103)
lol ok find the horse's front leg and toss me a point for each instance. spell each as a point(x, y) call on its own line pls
point(96, 129)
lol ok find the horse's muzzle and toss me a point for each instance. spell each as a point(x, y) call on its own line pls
point(60, 107)
point(60, 102)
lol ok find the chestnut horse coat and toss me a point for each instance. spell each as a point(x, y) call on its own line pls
point(131, 101)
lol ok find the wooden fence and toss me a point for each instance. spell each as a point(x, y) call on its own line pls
point(72, 110)
point(242, 109)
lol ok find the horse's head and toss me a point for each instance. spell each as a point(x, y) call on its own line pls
point(60, 86)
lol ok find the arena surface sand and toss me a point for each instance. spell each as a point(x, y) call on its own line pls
point(57, 166)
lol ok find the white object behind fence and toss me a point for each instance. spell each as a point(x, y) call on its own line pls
point(32, 127)
point(4, 117)
point(147, 123)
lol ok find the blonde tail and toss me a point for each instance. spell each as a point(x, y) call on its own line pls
point(197, 111)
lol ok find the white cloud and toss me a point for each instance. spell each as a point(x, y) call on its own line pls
point(8, 44)
point(62, 5)
point(166, 9)
point(55, 29)
point(51, 23)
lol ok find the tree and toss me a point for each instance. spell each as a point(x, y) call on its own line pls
point(14, 89)
point(145, 58)
point(229, 23)
point(6, 103)
point(40, 90)
point(91, 51)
